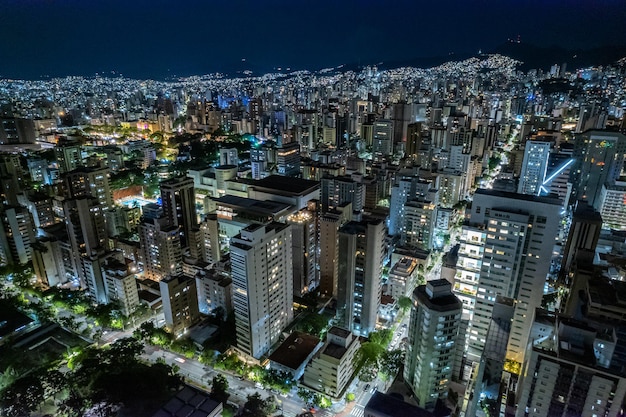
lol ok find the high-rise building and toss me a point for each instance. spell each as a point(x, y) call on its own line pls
point(209, 239)
point(599, 159)
point(161, 251)
point(451, 186)
point(367, 133)
point(413, 140)
point(69, 156)
point(17, 234)
point(433, 341)
point(407, 189)
point(505, 250)
point(288, 159)
point(329, 225)
point(180, 303)
point(534, 167)
point(304, 240)
point(48, 262)
point(584, 233)
point(336, 191)
point(419, 217)
point(568, 371)
point(403, 277)
point(229, 156)
point(88, 181)
point(40, 207)
point(179, 206)
point(382, 137)
point(361, 248)
point(612, 205)
point(262, 274)
point(38, 169)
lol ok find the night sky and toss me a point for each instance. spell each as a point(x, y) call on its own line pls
point(153, 38)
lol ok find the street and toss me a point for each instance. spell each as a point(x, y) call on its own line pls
point(239, 390)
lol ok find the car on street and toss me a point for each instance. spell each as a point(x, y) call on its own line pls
point(366, 387)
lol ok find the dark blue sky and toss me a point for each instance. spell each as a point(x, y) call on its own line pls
point(156, 38)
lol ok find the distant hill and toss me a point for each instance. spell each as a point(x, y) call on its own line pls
point(531, 56)
point(536, 57)
point(419, 62)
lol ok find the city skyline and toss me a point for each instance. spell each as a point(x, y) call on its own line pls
point(161, 40)
point(295, 239)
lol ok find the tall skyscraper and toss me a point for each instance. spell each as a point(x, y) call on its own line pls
point(210, 249)
point(534, 167)
point(86, 229)
point(382, 141)
point(433, 341)
point(505, 250)
point(361, 247)
point(584, 233)
point(329, 225)
point(179, 206)
point(599, 159)
point(262, 288)
point(304, 240)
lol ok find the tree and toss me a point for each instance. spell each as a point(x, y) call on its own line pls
point(54, 381)
point(255, 406)
point(219, 389)
point(322, 401)
point(7, 377)
point(381, 337)
point(368, 371)
point(305, 395)
point(404, 303)
point(350, 397)
point(208, 357)
point(185, 347)
point(391, 361)
point(73, 405)
point(125, 351)
point(494, 161)
point(23, 396)
point(313, 323)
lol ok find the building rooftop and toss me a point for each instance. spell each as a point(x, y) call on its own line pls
point(11, 320)
point(271, 208)
point(386, 405)
point(289, 185)
point(516, 196)
point(189, 402)
point(335, 351)
point(338, 331)
point(294, 351)
point(440, 302)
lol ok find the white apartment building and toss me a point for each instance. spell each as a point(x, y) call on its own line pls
point(262, 288)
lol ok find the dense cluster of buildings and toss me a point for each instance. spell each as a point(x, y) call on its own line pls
point(353, 186)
